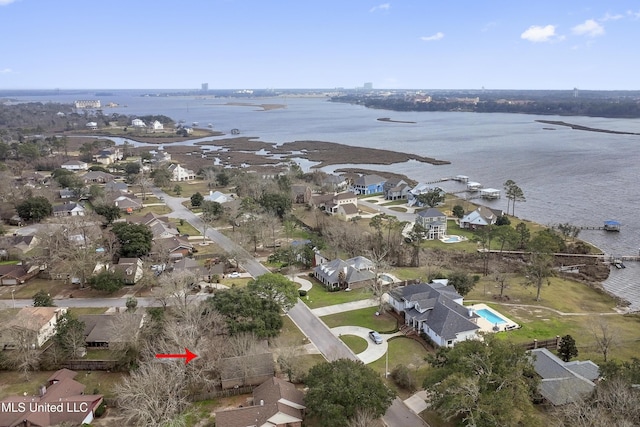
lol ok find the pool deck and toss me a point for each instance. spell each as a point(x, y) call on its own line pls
point(459, 239)
point(486, 326)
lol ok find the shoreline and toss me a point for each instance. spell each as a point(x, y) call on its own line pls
point(585, 128)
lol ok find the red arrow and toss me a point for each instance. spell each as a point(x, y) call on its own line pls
point(188, 356)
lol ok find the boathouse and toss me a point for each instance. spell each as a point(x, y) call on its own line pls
point(490, 193)
point(611, 225)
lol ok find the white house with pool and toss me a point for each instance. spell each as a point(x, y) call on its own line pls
point(437, 310)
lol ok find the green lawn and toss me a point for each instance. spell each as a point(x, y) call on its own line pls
point(33, 286)
point(319, 297)
point(158, 210)
point(365, 318)
point(14, 383)
point(355, 343)
point(185, 227)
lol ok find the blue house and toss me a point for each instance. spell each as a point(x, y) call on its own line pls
point(369, 184)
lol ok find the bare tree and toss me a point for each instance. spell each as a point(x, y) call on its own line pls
point(604, 335)
point(145, 183)
point(25, 357)
point(364, 417)
point(155, 394)
point(175, 288)
point(380, 264)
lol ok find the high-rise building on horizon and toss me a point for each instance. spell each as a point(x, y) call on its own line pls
point(368, 86)
point(204, 86)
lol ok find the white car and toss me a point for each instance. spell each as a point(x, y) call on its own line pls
point(375, 337)
point(234, 275)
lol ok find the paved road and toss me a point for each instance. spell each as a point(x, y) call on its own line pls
point(249, 263)
point(398, 415)
point(315, 329)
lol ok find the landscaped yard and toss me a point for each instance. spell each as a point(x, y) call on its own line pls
point(319, 297)
point(14, 383)
point(355, 343)
point(582, 306)
point(365, 318)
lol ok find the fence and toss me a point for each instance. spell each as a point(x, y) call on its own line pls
point(553, 343)
point(90, 365)
point(222, 393)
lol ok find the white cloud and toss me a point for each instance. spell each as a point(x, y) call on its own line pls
point(634, 15)
point(537, 34)
point(589, 28)
point(6, 71)
point(436, 36)
point(6, 2)
point(384, 6)
point(610, 17)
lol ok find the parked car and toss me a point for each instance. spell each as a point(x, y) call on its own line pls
point(375, 337)
point(234, 275)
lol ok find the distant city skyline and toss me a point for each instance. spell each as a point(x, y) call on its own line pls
point(235, 44)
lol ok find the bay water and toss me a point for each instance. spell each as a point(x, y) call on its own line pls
point(567, 176)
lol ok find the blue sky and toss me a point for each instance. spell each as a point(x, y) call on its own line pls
point(235, 44)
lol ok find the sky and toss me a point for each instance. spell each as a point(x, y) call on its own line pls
point(260, 44)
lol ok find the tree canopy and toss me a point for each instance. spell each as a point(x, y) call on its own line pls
point(247, 312)
point(275, 287)
point(34, 209)
point(135, 239)
point(487, 384)
point(43, 299)
point(107, 281)
point(337, 390)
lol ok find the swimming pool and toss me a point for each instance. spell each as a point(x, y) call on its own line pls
point(490, 316)
point(453, 239)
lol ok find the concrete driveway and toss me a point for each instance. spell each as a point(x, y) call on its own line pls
point(373, 351)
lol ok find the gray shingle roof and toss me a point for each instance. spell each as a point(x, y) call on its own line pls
point(560, 384)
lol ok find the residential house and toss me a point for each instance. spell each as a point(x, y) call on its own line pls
point(246, 370)
point(479, 218)
point(17, 274)
point(368, 184)
point(156, 125)
point(160, 156)
point(434, 222)
point(176, 247)
point(563, 382)
point(108, 156)
point(336, 203)
point(301, 194)
point(218, 197)
point(21, 243)
point(420, 188)
point(178, 173)
point(137, 123)
point(276, 403)
point(396, 189)
point(127, 204)
point(31, 326)
point(116, 187)
point(61, 392)
point(100, 331)
point(162, 229)
point(338, 274)
point(130, 269)
point(335, 183)
point(65, 193)
point(97, 177)
point(191, 266)
point(75, 165)
point(436, 310)
point(69, 209)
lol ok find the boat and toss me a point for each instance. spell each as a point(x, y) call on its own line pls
point(210, 125)
point(194, 124)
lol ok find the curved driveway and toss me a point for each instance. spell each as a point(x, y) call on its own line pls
point(373, 351)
